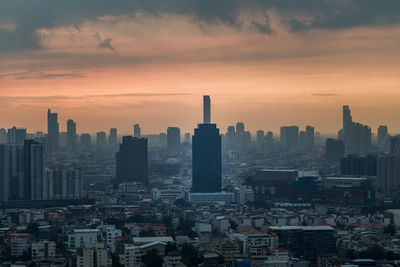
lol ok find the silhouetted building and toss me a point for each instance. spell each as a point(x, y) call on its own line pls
point(163, 140)
point(173, 139)
point(187, 138)
point(86, 140)
point(383, 135)
point(34, 169)
point(334, 150)
point(136, 131)
point(4, 186)
point(388, 175)
point(290, 136)
point(207, 161)
point(112, 138)
point(309, 137)
point(71, 134)
point(101, 139)
point(260, 136)
point(358, 166)
point(206, 109)
point(131, 160)
point(53, 130)
point(16, 136)
point(62, 184)
point(3, 136)
point(302, 139)
point(356, 136)
point(16, 169)
point(269, 137)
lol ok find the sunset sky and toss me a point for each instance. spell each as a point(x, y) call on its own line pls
point(113, 63)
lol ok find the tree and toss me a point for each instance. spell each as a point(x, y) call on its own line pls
point(180, 202)
point(33, 229)
point(170, 247)
point(152, 259)
point(167, 221)
point(390, 229)
point(351, 254)
point(190, 255)
point(185, 227)
point(147, 233)
point(374, 252)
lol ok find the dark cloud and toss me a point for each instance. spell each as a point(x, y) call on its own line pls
point(104, 43)
point(41, 75)
point(28, 16)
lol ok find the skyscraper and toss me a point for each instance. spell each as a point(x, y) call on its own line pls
point(290, 136)
point(86, 140)
point(260, 136)
point(16, 169)
point(187, 138)
point(309, 137)
point(53, 130)
point(3, 136)
point(334, 150)
point(206, 109)
point(112, 138)
point(34, 169)
point(356, 136)
point(383, 135)
point(131, 160)
point(207, 165)
point(4, 187)
point(71, 134)
point(16, 136)
point(101, 139)
point(136, 131)
point(173, 139)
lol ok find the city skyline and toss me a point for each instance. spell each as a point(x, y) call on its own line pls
point(299, 63)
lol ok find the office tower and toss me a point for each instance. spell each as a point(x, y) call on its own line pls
point(136, 131)
point(290, 136)
point(340, 134)
point(101, 139)
point(269, 137)
point(309, 137)
point(62, 184)
point(388, 175)
point(112, 138)
point(358, 166)
point(71, 134)
point(3, 136)
point(334, 150)
point(356, 136)
point(207, 162)
point(53, 130)
point(86, 140)
point(206, 109)
point(173, 139)
point(163, 140)
point(187, 138)
point(34, 169)
point(131, 160)
point(240, 128)
point(16, 170)
point(260, 136)
point(230, 136)
point(302, 139)
point(16, 136)
point(4, 187)
point(383, 135)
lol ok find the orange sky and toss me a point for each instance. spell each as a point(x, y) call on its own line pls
point(154, 70)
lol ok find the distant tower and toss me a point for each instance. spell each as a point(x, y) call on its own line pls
point(310, 137)
point(53, 130)
point(101, 139)
point(16, 136)
point(173, 139)
point(207, 161)
point(34, 169)
point(136, 131)
point(112, 138)
point(382, 135)
point(206, 109)
point(4, 178)
point(71, 134)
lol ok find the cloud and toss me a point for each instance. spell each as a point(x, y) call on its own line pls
point(104, 43)
point(26, 75)
point(30, 16)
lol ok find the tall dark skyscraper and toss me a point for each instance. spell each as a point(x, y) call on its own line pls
point(53, 130)
point(290, 136)
point(34, 169)
point(112, 138)
point(131, 160)
point(4, 187)
point(71, 134)
point(310, 137)
point(207, 162)
point(334, 150)
point(173, 139)
point(136, 131)
point(206, 109)
point(101, 139)
point(86, 140)
point(16, 169)
point(383, 135)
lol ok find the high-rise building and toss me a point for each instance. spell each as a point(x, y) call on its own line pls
point(163, 140)
point(207, 162)
point(132, 160)
point(260, 136)
point(290, 136)
point(356, 136)
point(34, 169)
point(334, 150)
point(383, 135)
point(173, 139)
point(86, 140)
point(101, 139)
point(4, 187)
point(16, 171)
point(136, 131)
point(269, 137)
point(206, 109)
point(112, 138)
point(3, 136)
point(309, 137)
point(16, 136)
point(388, 175)
point(53, 130)
point(358, 166)
point(302, 139)
point(71, 134)
point(187, 138)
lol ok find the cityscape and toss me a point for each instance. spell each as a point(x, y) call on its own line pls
point(199, 133)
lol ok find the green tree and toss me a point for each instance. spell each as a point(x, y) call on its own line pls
point(147, 233)
point(170, 247)
point(152, 259)
point(190, 255)
point(374, 252)
point(390, 229)
point(351, 254)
